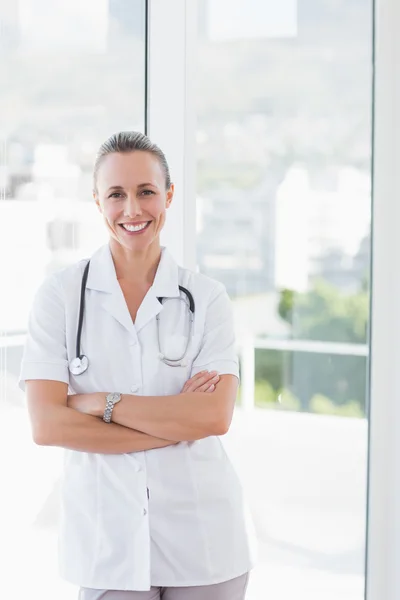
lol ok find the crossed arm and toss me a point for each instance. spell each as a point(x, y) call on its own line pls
point(139, 422)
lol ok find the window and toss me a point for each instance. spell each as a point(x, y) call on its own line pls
point(73, 74)
point(284, 103)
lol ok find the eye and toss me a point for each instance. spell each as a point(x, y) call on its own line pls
point(116, 195)
point(148, 192)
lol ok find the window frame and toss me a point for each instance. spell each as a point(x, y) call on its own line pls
point(383, 534)
point(170, 114)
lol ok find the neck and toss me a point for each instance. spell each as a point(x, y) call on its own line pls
point(135, 267)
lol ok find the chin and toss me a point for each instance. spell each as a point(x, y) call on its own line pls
point(136, 244)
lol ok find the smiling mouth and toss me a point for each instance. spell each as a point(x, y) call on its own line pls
point(131, 228)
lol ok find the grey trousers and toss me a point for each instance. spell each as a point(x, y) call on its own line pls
point(234, 589)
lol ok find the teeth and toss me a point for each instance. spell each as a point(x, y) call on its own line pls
point(134, 227)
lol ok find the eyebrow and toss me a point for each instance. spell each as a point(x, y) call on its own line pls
point(115, 187)
point(141, 185)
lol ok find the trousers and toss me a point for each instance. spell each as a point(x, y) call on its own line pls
point(234, 589)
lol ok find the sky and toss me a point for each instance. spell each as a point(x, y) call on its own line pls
point(241, 19)
point(78, 24)
point(83, 24)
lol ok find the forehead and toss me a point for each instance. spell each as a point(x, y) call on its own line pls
point(129, 169)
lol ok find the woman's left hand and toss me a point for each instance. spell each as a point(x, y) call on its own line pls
point(205, 381)
point(89, 404)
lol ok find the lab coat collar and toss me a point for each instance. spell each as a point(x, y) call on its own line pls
point(166, 281)
point(165, 285)
point(102, 277)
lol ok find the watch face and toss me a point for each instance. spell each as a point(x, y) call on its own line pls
point(114, 397)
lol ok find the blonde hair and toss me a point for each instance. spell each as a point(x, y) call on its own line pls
point(130, 141)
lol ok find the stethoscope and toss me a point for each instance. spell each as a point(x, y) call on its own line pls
point(80, 364)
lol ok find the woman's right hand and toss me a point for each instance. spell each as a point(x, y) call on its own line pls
point(205, 381)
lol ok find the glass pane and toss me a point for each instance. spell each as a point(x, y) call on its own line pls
point(72, 74)
point(283, 220)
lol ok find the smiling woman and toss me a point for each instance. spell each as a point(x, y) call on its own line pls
point(132, 189)
point(145, 470)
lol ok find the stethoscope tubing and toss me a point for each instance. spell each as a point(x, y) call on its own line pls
point(80, 364)
point(81, 310)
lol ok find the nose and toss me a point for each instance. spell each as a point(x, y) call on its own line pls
point(132, 206)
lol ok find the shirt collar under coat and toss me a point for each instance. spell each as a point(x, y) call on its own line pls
point(102, 278)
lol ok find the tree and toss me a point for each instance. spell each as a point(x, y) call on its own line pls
point(324, 314)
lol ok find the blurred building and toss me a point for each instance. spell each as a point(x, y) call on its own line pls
point(236, 238)
point(321, 224)
point(10, 28)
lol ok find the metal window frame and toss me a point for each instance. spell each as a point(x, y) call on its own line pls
point(170, 113)
point(383, 526)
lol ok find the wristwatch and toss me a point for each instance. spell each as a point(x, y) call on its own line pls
point(111, 400)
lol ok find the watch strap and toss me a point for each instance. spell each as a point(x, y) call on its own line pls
point(111, 401)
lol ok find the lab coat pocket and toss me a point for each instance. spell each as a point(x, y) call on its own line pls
point(79, 511)
point(80, 493)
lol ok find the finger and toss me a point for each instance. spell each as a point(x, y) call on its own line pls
point(199, 375)
point(190, 386)
point(204, 383)
point(207, 384)
point(201, 381)
point(193, 384)
point(208, 376)
point(193, 380)
point(210, 389)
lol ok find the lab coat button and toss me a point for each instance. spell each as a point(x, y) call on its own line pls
point(134, 389)
point(144, 512)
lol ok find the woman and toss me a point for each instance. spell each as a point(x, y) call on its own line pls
point(151, 506)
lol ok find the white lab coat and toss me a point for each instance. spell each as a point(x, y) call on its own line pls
point(166, 517)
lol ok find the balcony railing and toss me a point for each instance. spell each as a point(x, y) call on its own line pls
point(248, 345)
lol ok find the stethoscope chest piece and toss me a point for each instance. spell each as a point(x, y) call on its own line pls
point(79, 365)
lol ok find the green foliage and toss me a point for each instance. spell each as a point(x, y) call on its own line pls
point(324, 406)
point(265, 395)
point(271, 366)
point(325, 314)
point(342, 379)
point(286, 303)
point(287, 400)
point(321, 383)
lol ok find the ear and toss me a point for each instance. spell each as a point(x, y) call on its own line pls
point(96, 199)
point(170, 195)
